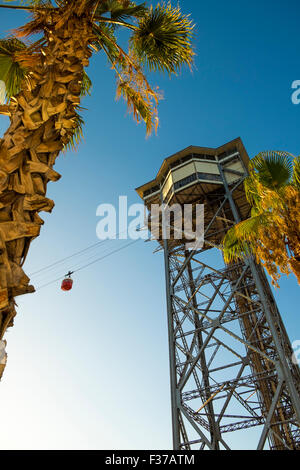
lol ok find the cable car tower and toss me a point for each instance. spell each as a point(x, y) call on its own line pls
point(231, 361)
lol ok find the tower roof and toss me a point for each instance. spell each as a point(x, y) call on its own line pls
point(207, 151)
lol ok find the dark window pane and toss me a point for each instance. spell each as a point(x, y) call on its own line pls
point(185, 181)
point(209, 177)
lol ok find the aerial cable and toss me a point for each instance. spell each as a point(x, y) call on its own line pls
point(74, 254)
point(76, 263)
point(89, 264)
point(72, 262)
point(105, 256)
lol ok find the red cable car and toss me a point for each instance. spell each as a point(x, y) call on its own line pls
point(67, 283)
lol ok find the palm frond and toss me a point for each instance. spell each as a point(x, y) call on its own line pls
point(106, 41)
point(140, 104)
point(120, 10)
point(163, 39)
point(248, 230)
point(235, 248)
point(132, 85)
point(253, 194)
point(11, 72)
point(273, 169)
point(296, 173)
point(86, 85)
point(76, 136)
point(241, 240)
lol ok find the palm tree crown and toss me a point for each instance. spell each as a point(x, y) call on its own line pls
point(160, 39)
point(273, 230)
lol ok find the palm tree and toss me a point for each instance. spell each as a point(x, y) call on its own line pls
point(272, 232)
point(45, 80)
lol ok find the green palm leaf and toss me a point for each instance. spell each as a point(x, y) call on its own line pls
point(11, 72)
point(140, 104)
point(106, 40)
point(241, 239)
point(163, 38)
point(235, 248)
point(120, 10)
point(249, 229)
point(253, 194)
point(76, 136)
point(273, 169)
point(86, 85)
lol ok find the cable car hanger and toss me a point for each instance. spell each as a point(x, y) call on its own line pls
point(67, 282)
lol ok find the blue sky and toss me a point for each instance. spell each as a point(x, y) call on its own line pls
point(89, 369)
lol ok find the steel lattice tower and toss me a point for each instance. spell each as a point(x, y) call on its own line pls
point(231, 364)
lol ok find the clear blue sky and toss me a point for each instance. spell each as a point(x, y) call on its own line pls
point(89, 369)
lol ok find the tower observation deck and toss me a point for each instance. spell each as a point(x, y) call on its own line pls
point(231, 361)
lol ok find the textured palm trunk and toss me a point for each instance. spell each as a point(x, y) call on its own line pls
point(41, 121)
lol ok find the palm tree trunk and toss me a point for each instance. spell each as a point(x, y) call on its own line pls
point(41, 122)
